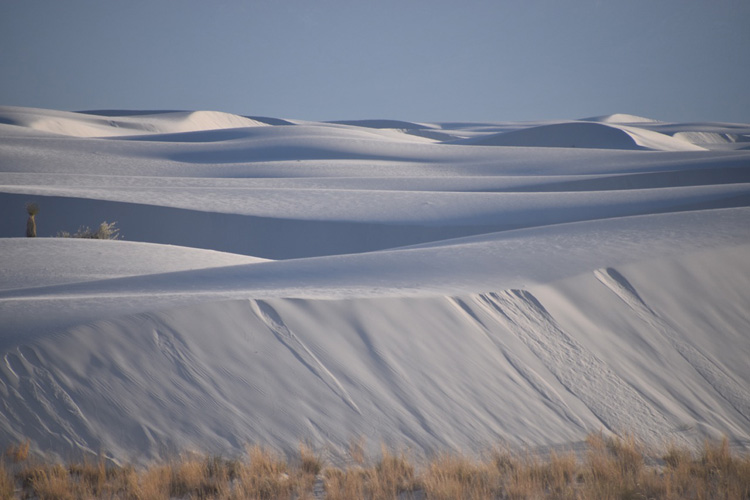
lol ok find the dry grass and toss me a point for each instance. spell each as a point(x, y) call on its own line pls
point(310, 462)
point(390, 477)
point(456, 476)
point(7, 483)
point(609, 468)
point(18, 452)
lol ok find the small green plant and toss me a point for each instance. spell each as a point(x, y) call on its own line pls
point(105, 231)
point(32, 209)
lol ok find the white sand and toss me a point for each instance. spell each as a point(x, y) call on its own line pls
point(395, 280)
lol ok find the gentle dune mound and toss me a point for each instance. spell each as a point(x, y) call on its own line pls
point(93, 125)
point(590, 135)
point(77, 260)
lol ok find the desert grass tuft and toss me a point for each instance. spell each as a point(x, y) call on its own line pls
point(265, 476)
point(350, 482)
point(192, 478)
point(456, 476)
point(154, 482)
point(90, 473)
point(394, 473)
point(18, 452)
point(558, 475)
point(54, 482)
point(357, 449)
point(310, 462)
point(724, 474)
point(613, 465)
point(390, 477)
point(7, 482)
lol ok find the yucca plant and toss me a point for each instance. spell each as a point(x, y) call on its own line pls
point(32, 209)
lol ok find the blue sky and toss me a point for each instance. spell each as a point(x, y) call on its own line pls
point(432, 60)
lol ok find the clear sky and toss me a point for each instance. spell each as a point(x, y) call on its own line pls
point(419, 60)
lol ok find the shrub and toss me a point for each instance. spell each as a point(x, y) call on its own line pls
point(105, 231)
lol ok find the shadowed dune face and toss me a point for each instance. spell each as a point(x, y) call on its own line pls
point(567, 135)
point(589, 135)
point(431, 286)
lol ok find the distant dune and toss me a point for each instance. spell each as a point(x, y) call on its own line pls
point(83, 125)
point(586, 135)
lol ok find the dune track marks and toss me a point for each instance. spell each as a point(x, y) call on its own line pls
point(550, 396)
point(397, 382)
point(618, 406)
point(273, 320)
point(35, 403)
point(729, 389)
point(196, 383)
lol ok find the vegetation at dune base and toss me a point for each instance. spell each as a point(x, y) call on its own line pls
point(609, 467)
point(105, 231)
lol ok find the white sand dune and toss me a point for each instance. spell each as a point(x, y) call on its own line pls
point(74, 260)
point(381, 124)
point(90, 125)
point(721, 139)
point(622, 118)
point(587, 135)
point(324, 281)
point(713, 136)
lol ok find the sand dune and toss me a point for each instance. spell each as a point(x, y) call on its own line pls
point(621, 118)
point(83, 125)
point(281, 280)
point(394, 124)
point(587, 135)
